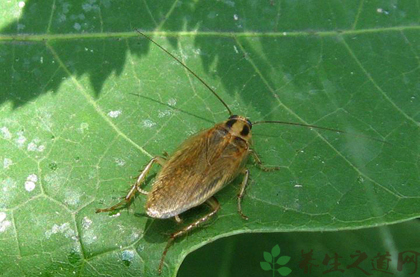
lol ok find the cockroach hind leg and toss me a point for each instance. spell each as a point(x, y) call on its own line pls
point(260, 164)
point(123, 203)
point(119, 205)
point(214, 204)
point(242, 193)
point(136, 187)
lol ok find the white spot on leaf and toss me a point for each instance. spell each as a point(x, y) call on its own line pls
point(62, 17)
point(89, 236)
point(86, 222)
point(7, 163)
point(87, 7)
point(119, 161)
point(4, 224)
point(62, 229)
point(229, 3)
point(127, 255)
point(8, 183)
point(114, 114)
point(172, 102)
point(148, 123)
point(83, 127)
point(33, 146)
point(72, 198)
point(20, 141)
point(31, 182)
point(164, 113)
point(134, 235)
point(5, 133)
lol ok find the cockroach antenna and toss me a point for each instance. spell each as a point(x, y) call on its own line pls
point(316, 127)
point(189, 70)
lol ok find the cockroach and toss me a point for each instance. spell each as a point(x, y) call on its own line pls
point(201, 166)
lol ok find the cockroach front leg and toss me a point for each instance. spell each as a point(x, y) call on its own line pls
point(214, 204)
point(242, 193)
point(136, 187)
point(260, 164)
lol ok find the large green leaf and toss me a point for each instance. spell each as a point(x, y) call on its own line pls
point(72, 132)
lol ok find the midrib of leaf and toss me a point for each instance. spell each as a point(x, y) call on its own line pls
point(43, 37)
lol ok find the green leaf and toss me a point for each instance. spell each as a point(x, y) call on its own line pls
point(284, 271)
point(268, 257)
point(275, 251)
point(283, 260)
point(72, 132)
point(265, 266)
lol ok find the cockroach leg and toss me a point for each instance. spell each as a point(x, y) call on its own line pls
point(242, 193)
point(214, 204)
point(178, 219)
point(260, 164)
point(136, 187)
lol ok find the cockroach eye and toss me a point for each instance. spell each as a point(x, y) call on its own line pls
point(230, 123)
point(245, 131)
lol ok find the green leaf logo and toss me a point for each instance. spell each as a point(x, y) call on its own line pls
point(270, 262)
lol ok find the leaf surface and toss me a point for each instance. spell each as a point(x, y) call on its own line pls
point(73, 131)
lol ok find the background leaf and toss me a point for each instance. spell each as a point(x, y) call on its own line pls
point(268, 257)
point(265, 266)
point(284, 271)
point(72, 132)
point(275, 251)
point(240, 255)
point(283, 260)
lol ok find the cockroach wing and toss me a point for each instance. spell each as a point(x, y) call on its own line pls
point(201, 166)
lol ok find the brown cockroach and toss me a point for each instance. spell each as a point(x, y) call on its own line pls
point(200, 167)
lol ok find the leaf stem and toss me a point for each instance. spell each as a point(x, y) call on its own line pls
point(273, 267)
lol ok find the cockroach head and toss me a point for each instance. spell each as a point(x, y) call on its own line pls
point(239, 126)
